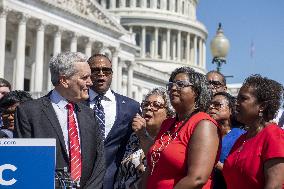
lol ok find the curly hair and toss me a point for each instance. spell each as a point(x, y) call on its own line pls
point(160, 91)
point(13, 97)
point(200, 85)
point(268, 92)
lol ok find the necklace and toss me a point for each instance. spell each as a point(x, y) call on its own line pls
point(165, 139)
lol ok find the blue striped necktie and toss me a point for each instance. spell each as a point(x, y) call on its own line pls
point(100, 114)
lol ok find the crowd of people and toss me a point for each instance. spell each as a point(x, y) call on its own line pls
point(190, 134)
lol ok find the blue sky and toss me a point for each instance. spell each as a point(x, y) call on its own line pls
point(247, 22)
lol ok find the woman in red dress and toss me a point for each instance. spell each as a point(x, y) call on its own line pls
point(185, 150)
point(256, 160)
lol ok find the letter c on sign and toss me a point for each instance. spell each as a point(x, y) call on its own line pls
point(7, 182)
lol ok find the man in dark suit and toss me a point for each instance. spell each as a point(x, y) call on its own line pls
point(59, 115)
point(118, 114)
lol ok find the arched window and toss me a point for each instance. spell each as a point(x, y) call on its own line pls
point(168, 4)
point(117, 3)
point(148, 44)
point(138, 3)
point(137, 38)
point(158, 4)
point(183, 7)
point(107, 4)
point(127, 3)
point(176, 6)
point(148, 4)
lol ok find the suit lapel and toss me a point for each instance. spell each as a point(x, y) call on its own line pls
point(120, 113)
point(51, 115)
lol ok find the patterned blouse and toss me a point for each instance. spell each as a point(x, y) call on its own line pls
point(132, 165)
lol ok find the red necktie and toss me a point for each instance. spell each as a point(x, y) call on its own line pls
point(74, 145)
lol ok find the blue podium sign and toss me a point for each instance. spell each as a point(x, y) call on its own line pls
point(27, 163)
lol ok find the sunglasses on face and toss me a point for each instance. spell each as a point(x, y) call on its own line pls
point(101, 70)
point(180, 84)
point(154, 105)
point(217, 105)
point(215, 84)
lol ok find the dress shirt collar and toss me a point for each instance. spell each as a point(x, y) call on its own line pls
point(109, 96)
point(59, 100)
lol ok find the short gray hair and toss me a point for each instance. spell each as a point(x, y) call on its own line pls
point(63, 64)
point(160, 91)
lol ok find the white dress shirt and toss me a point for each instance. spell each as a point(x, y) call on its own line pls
point(109, 104)
point(59, 105)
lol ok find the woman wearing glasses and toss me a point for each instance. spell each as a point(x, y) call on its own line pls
point(257, 158)
point(155, 109)
point(222, 109)
point(185, 150)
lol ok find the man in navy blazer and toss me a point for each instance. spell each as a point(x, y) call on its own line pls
point(119, 112)
point(47, 117)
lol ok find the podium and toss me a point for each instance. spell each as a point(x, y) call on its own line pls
point(27, 163)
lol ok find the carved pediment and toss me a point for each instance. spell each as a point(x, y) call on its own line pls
point(87, 9)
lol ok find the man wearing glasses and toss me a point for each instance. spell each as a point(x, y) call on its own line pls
point(113, 112)
point(217, 81)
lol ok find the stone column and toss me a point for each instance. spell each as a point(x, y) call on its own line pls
point(187, 50)
point(103, 3)
point(178, 6)
point(143, 41)
point(112, 4)
point(114, 62)
point(131, 29)
point(73, 44)
point(122, 4)
point(156, 42)
point(164, 46)
point(195, 50)
point(130, 79)
point(39, 57)
point(56, 50)
point(204, 54)
point(172, 5)
point(153, 4)
point(143, 3)
point(152, 49)
point(3, 18)
point(57, 42)
point(20, 57)
point(140, 95)
point(163, 4)
point(88, 48)
point(168, 44)
point(132, 3)
point(174, 46)
point(179, 46)
point(119, 76)
point(200, 46)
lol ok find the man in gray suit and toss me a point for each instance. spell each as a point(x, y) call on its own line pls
point(54, 115)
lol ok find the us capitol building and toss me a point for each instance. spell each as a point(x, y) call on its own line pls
point(146, 40)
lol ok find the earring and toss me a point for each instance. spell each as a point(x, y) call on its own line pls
point(260, 114)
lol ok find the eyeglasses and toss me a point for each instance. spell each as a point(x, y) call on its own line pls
point(104, 70)
point(178, 84)
point(215, 84)
point(154, 105)
point(217, 105)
